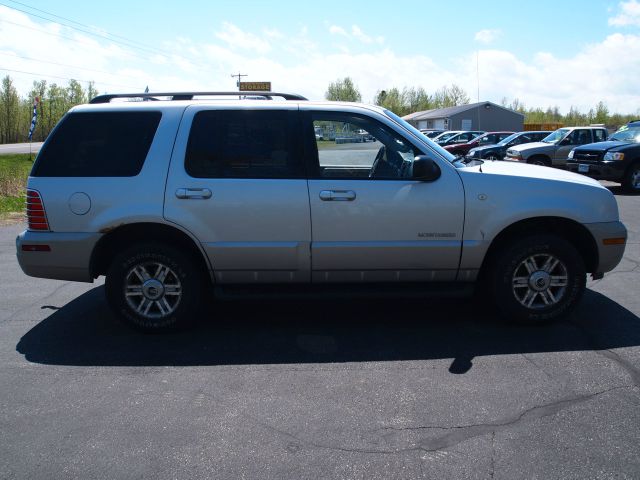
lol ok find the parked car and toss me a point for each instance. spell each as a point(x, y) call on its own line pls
point(459, 138)
point(431, 132)
point(445, 135)
point(499, 150)
point(489, 138)
point(617, 159)
point(554, 149)
point(177, 198)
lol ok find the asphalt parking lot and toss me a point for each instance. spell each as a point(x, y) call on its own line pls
point(319, 389)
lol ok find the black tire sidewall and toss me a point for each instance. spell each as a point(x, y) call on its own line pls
point(504, 268)
point(181, 264)
point(627, 178)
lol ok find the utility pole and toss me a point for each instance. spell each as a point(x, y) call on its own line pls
point(239, 75)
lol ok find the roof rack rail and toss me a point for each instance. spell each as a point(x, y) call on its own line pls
point(189, 95)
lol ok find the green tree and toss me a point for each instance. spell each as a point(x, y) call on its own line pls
point(602, 113)
point(343, 90)
point(9, 111)
point(391, 100)
point(75, 94)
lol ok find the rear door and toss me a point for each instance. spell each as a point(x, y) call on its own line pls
point(237, 182)
point(371, 221)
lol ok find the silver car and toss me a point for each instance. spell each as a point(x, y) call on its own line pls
point(554, 149)
point(170, 198)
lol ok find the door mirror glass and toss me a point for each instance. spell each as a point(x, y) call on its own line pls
point(425, 169)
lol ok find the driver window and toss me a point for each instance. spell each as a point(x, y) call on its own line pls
point(354, 146)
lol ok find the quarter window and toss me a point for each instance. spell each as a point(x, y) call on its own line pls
point(244, 144)
point(599, 136)
point(98, 144)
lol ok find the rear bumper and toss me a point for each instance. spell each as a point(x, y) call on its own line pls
point(609, 255)
point(68, 258)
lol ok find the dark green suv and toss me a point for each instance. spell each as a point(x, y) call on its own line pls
point(617, 159)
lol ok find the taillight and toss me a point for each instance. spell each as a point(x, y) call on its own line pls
point(36, 216)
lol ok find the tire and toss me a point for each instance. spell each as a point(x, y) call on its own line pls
point(631, 182)
point(539, 161)
point(154, 287)
point(539, 279)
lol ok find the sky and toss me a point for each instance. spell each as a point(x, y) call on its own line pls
point(545, 53)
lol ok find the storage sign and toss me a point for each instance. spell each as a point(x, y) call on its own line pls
point(255, 86)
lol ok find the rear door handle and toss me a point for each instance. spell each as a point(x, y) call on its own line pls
point(193, 193)
point(337, 195)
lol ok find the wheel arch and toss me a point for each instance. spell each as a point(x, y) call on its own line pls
point(542, 156)
point(570, 230)
point(124, 236)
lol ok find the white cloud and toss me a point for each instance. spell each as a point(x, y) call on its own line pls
point(293, 61)
point(597, 72)
point(356, 33)
point(629, 16)
point(487, 36)
point(236, 38)
point(336, 30)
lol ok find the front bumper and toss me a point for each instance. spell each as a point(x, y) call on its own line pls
point(609, 254)
point(68, 258)
point(604, 170)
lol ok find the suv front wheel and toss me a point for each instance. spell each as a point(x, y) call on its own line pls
point(154, 287)
point(538, 279)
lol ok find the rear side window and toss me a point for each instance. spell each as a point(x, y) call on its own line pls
point(599, 136)
point(244, 144)
point(98, 144)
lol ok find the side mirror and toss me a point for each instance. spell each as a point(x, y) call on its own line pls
point(425, 169)
point(566, 141)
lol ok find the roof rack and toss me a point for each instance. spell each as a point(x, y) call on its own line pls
point(189, 95)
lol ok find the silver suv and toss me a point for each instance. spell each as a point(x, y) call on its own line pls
point(553, 150)
point(171, 197)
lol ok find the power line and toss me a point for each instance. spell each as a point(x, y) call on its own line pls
point(65, 65)
point(67, 78)
point(127, 43)
point(61, 36)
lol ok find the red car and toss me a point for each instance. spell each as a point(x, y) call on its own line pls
point(489, 138)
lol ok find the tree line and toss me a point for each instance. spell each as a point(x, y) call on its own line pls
point(55, 101)
point(417, 99)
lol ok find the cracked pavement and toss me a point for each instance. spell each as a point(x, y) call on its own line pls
point(320, 389)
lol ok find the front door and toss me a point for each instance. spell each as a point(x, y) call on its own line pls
point(370, 220)
point(237, 183)
point(579, 136)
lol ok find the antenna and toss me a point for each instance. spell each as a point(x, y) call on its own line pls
point(239, 75)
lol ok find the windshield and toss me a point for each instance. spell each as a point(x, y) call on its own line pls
point(445, 136)
point(556, 136)
point(505, 141)
point(627, 134)
point(418, 133)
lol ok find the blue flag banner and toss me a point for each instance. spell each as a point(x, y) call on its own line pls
point(34, 118)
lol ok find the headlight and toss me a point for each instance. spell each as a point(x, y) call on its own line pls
point(514, 154)
point(570, 155)
point(614, 156)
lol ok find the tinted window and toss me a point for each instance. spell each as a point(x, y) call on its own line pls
point(243, 144)
point(98, 144)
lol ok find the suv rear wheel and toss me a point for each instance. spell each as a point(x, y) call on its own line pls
point(154, 287)
point(539, 279)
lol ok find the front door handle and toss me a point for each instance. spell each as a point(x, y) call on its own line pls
point(337, 195)
point(193, 193)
